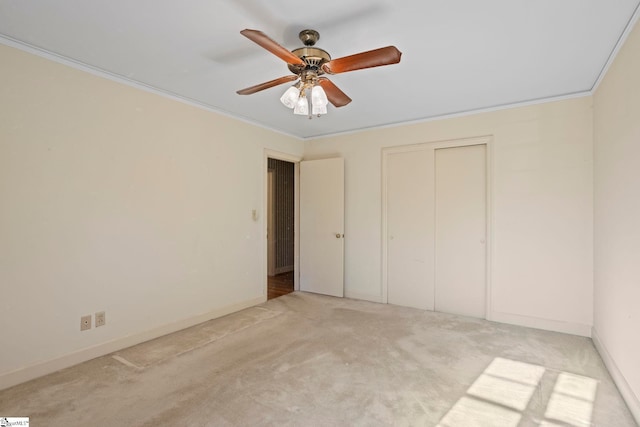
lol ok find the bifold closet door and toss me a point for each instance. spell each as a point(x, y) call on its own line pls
point(410, 229)
point(460, 230)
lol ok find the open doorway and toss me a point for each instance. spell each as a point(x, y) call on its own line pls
point(280, 228)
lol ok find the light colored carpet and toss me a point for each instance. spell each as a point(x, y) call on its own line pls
point(310, 360)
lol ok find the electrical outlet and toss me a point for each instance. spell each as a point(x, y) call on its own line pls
point(101, 318)
point(85, 323)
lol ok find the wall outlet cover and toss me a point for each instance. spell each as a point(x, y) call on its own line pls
point(101, 318)
point(85, 323)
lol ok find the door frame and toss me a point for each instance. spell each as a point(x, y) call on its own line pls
point(271, 244)
point(272, 154)
point(434, 145)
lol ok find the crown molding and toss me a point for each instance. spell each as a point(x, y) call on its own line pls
point(614, 53)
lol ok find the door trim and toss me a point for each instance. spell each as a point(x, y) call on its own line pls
point(272, 154)
point(480, 140)
point(271, 262)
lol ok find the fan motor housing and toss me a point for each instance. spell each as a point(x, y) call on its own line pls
point(313, 58)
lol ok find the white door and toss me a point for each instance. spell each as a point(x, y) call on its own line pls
point(460, 230)
point(322, 226)
point(409, 229)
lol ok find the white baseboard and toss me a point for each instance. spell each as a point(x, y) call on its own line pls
point(545, 324)
point(361, 296)
point(623, 386)
point(43, 368)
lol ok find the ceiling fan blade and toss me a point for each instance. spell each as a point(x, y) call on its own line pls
point(267, 43)
point(372, 58)
point(267, 85)
point(337, 97)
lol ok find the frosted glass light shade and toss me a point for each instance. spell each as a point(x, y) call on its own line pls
point(290, 97)
point(319, 101)
point(318, 97)
point(302, 106)
point(319, 109)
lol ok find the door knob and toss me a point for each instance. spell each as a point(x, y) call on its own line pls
point(338, 235)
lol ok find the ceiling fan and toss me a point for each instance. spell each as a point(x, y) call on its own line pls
point(307, 64)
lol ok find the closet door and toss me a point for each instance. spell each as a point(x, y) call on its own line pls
point(409, 210)
point(460, 230)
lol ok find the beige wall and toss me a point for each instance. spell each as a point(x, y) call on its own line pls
point(115, 199)
point(541, 203)
point(617, 219)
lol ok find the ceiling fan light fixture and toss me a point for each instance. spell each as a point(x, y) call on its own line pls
point(290, 97)
point(318, 96)
point(318, 110)
point(319, 101)
point(302, 105)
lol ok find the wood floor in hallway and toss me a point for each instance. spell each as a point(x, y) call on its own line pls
point(280, 284)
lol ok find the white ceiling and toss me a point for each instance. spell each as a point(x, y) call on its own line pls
point(458, 55)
